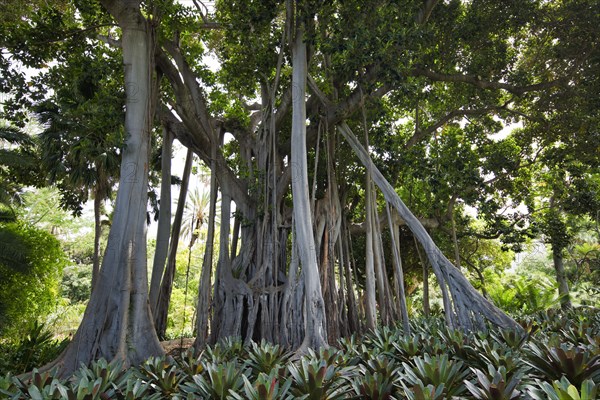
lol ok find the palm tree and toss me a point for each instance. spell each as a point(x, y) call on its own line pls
point(195, 215)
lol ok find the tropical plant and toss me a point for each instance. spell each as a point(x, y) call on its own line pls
point(227, 349)
point(222, 380)
point(266, 387)
point(36, 347)
point(421, 392)
point(495, 385)
point(163, 375)
point(316, 378)
point(265, 357)
point(564, 390)
point(552, 362)
point(436, 370)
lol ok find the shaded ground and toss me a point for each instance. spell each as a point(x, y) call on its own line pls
point(177, 346)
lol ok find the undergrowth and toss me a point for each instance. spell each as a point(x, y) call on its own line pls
point(556, 356)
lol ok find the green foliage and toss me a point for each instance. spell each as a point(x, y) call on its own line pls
point(577, 364)
point(217, 382)
point(376, 378)
point(76, 282)
point(36, 347)
point(30, 274)
point(437, 371)
point(563, 390)
point(320, 376)
point(266, 387)
point(265, 357)
point(162, 375)
point(495, 385)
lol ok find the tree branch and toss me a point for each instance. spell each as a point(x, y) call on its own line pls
point(425, 12)
point(420, 134)
point(109, 41)
point(481, 83)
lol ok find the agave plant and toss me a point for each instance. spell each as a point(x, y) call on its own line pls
point(510, 337)
point(407, 347)
point(376, 378)
point(381, 340)
point(266, 387)
point(421, 392)
point(265, 357)
point(374, 386)
point(315, 378)
point(483, 353)
point(162, 375)
point(437, 370)
point(189, 363)
point(223, 379)
point(576, 364)
point(227, 349)
point(45, 385)
point(563, 390)
point(11, 387)
point(495, 385)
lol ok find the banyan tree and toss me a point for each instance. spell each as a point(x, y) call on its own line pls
point(286, 127)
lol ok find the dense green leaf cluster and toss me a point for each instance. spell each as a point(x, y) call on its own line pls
point(31, 265)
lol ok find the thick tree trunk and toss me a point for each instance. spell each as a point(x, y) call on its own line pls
point(468, 305)
point(166, 285)
point(164, 220)
point(117, 323)
point(561, 279)
point(315, 324)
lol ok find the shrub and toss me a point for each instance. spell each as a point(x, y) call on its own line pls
point(36, 347)
point(31, 264)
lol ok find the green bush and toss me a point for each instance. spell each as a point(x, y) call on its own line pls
point(31, 264)
point(35, 348)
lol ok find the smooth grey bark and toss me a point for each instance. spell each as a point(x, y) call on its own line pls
point(292, 319)
point(315, 322)
point(166, 284)
point(468, 305)
point(426, 306)
point(561, 279)
point(383, 287)
point(97, 234)
point(204, 295)
point(117, 323)
point(399, 273)
point(352, 308)
point(370, 299)
point(453, 232)
point(164, 220)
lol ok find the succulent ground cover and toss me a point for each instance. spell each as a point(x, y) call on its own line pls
point(556, 356)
